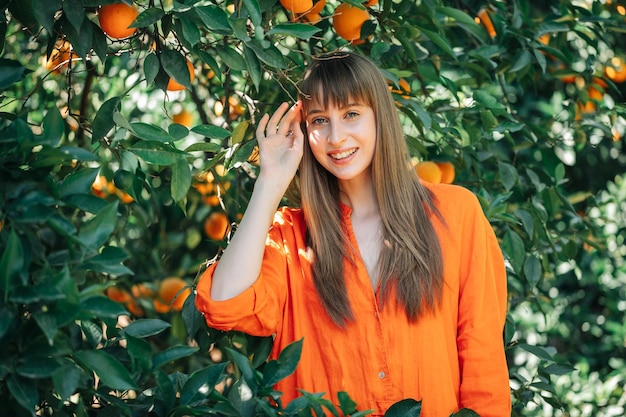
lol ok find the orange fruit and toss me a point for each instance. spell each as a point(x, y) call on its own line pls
point(429, 171)
point(371, 3)
point(447, 172)
point(173, 85)
point(118, 294)
point(485, 19)
point(317, 7)
point(173, 292)
point(184, 118)
point(59, 57)
point(216, 225)
point(297, 6)
point(348, 21)
point(141, 291)
point(616, 70)
point(115, 19)
point(99, 186)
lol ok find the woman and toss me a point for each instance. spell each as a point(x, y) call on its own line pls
point(398, 287)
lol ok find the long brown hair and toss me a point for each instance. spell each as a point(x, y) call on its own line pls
point(411, 260)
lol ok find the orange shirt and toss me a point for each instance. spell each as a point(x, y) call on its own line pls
point(451, 359)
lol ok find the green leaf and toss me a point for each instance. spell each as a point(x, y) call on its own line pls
point(75, 12)
point(11, 265)
point(110, 371)
point(11, 72)
point(150, 132)
point(190, 31)
point(508, 175)
point(239, 132)
point(151, 67)
point(177, 132)
point(539, 351)
point(270, 55)
point(175, 65)
point(254, 10)
point(558, 369)
point(66, 379)
point(96, 231)
point(108, 261)
point(232, 58)
point(522, 61)
point(101, 307)
point(103, 120)
point(285, 365)
point(44, 11)
point(37, 367)
point(181, 180)
point(254, 67)
point(513, 245)
point(78, 182)
point(532, 270)
point(140, 353)
point(171, 354)
point(527, 221)
point(143, 328)
point(53, 126)
point(346, 404)
point(148, 17)
point(405, 408)
point(201, 383)
point(215, 19)
point(203, 147)
point(243, 363)
point(168, 393)
point(211, 131)
point(157, 153)
point(440, 42)
point(297, 30)
point(24, 392)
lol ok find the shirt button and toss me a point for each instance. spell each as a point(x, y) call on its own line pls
point(381, 374)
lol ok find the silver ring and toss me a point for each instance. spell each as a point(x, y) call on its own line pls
point(290, 133)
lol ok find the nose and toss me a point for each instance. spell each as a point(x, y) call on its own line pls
point(336, 134)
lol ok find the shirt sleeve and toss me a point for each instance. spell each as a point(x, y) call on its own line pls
point(482, 313)
point(257, 311)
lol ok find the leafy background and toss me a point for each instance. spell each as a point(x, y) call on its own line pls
point(104, 196)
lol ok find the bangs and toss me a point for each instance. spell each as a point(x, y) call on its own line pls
point(335, 80)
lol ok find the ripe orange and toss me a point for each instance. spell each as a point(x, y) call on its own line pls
point(429, 171)
point(447, 172)
point(348, 21)
point(297, 6)
point(118, 294)
point(173, 292)
point(173, 85)
point(216, 225)
point(317, 7)
point(184, 118)
point(115, 19)
point(141, 291)
point(485, 19)
point(59, 57)
point(616, 70)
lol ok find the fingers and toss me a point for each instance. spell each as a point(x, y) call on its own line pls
point(285, 121)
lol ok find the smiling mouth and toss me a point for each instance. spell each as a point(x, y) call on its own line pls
point(342, 155)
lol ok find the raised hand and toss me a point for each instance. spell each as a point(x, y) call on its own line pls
point(281, 142)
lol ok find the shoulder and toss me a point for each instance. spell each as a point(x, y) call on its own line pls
point(453, 198)
point(288, 217)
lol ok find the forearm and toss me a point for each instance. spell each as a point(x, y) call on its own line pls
point(240, 264)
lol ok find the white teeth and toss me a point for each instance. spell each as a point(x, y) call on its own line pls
point(342, 155)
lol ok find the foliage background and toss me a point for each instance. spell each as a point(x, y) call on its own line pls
point(512, 110)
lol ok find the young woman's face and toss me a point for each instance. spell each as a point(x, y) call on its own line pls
point(342, 139)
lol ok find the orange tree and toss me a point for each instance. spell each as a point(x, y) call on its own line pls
point(105, 197)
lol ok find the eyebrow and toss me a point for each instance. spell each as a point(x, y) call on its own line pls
point(316, 111)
